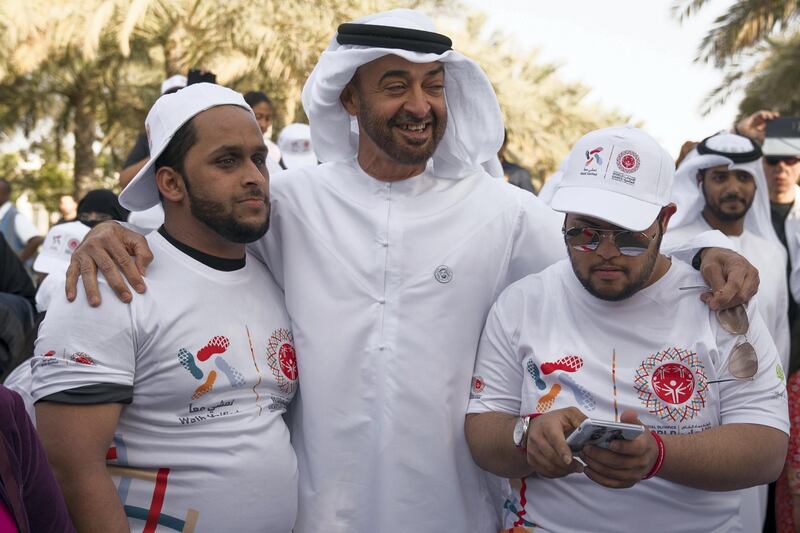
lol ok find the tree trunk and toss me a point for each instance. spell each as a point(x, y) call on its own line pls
point(85, 127)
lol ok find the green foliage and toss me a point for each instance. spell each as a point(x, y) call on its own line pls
point(764, 31)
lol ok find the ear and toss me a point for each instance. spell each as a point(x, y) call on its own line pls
point(349, 99)
point(170, 184)
point(666, 214)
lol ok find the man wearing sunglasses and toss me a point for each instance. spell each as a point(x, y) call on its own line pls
point(609, 334)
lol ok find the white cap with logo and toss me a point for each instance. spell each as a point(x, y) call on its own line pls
point(59, 243)
point(620, 175)
point(167, 115)
point(294, 143)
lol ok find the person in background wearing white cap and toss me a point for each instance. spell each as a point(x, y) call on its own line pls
point(390, 254)
point(609, 334)
point(294, 142)
point(167, 412)
point(51, 266)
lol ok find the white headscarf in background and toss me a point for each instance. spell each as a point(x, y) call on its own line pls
point(474, 131)
point(732, 151)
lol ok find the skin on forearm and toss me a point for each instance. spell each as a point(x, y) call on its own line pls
point(728, 457)
point(76, 439)
point(92, 499)
point(490, 439)
point(30, 248)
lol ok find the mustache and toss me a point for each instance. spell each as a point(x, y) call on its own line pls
point(606, 265)
point(728, 197)
point(254, 193)
point(403, 117)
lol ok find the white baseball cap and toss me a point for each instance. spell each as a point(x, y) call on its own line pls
point(59, 243)
point(167, 115)
point(178, 81)
point(294, 143)
point(620, 175)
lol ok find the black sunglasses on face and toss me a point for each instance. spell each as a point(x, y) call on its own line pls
point(788, 159)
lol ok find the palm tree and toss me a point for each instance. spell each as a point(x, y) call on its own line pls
point(746, 24)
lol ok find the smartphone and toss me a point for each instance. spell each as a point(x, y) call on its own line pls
point(783, 127)
point(196, 75)
point(601, 433)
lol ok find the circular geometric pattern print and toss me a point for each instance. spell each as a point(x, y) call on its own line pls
point(672, 384)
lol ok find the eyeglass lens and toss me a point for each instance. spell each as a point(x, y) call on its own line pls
point(628, 243)
point(743, 360)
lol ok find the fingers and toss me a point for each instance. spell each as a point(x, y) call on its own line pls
point(624, 466)
point(732, 278)
point(88, 274)
point(73, 272)
point(548, 452)
point(712, 273)
point(134, 245)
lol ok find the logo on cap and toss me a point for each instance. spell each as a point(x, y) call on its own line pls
point(72, 244)
point(628, 161)
point(593, 155)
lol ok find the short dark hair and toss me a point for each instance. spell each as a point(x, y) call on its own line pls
point(174, 154)
point(253, 98)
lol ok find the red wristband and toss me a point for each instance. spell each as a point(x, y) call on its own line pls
point(660, 459)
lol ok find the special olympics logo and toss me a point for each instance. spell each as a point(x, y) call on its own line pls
point(477, 384)
point(593, 155)
point(628, 161)
point(282, 360)
point(72, 244)
point(288, 361)
point(673, 383)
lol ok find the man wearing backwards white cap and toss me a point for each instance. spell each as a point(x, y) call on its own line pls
point(608, 334)
point(166, 413)
point(390, 254)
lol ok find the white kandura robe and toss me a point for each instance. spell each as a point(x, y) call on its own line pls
point(388, 286)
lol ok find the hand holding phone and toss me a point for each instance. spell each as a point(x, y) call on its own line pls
point(601, 433)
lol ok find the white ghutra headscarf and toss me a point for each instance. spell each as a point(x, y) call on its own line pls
point(474, 131)
point(737, 153)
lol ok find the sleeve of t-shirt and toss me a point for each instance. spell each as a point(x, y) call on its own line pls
point(685, 251)
point(85, 354)
point(498, 377)
point(761, 400)
point(25, 228)
point(141, 150)
point(538, 242)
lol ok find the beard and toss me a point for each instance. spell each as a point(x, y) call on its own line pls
point(381, 132)
point(636, 280)
point(220, 217)
point(729, 216)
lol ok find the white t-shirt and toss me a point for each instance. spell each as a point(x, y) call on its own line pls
point(550, 344)
point(212, 368)
point(769, 257)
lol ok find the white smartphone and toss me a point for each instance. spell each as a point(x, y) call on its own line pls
point(601, 433)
